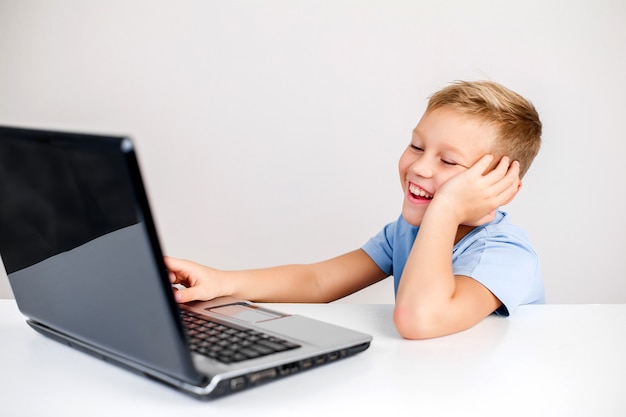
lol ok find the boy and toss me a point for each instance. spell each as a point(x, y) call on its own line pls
point(466, 158)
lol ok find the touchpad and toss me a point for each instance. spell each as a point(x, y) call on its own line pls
point(246, 312)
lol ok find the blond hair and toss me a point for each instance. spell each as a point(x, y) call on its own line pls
point(515, 117)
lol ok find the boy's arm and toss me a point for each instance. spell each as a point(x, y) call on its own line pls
point(318, 282)
point(431, 300)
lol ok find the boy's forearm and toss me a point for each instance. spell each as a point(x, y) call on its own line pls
point(319, 282)
point(287, 283)
point(428, 277)
point(427, 285)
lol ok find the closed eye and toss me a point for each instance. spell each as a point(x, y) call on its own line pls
point(448, 162)
point(416, 148)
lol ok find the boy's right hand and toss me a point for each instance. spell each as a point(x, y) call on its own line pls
point(475, 194)
point(200, 282)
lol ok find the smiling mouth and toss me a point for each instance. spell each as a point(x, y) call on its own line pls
point(418, 192)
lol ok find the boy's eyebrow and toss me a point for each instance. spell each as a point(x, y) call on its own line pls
point(415, 133)
point(452, 149)
point(445, 146)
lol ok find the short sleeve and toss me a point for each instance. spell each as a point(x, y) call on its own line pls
point(380, 248)
point(502, 259)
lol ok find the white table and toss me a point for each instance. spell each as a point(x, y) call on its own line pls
point(551, 360)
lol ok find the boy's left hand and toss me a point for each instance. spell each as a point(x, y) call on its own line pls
point(474, 195)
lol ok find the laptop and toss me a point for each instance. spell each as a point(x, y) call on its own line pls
point(81, 252)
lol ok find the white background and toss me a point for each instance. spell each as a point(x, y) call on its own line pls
point(269, 131)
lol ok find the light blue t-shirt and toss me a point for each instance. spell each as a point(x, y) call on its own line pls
point(499, 255)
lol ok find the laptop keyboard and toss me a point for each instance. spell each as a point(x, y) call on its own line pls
point(229, 344)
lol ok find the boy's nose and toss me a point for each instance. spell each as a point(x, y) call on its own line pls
point(422, 167)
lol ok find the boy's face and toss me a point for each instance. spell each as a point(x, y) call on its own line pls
point(445, 143)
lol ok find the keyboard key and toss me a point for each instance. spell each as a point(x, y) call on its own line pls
point(229, 344)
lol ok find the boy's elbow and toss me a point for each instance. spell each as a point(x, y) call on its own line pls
point(414, 324)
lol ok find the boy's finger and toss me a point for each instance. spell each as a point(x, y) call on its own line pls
point(179, 266)
point(512, 174)
point(510, 184)
point(514, 168)
point(184, 295)
point(503, 165)
point(499, 171)
point(483, 164)
point(173, 264)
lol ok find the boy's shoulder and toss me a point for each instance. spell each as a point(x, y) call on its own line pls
point(499, 233)
point(400, 234)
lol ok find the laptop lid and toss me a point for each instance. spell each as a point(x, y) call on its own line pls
point(80, 250)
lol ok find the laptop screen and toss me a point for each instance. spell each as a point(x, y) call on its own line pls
point(57, 197)
point(80, 248)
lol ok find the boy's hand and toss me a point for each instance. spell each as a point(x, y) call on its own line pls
point(474, 195)
point(201, 281)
